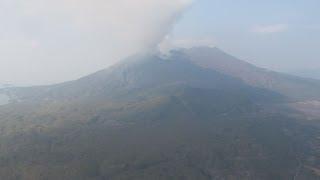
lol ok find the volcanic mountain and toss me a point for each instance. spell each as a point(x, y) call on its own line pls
point(291, 86)
point(193, 114)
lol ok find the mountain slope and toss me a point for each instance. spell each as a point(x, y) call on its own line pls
point(150, 117)
point(135, 74)
point(293, 87)
point(307, 73)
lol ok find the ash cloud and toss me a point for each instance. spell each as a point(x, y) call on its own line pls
point(45, 41)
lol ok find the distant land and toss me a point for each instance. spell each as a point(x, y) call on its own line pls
point(309, 73)
point(5, 86)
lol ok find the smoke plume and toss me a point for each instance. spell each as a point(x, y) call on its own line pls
point(46, 41)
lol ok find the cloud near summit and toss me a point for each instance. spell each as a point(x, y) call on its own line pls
point(269, 29)
point(65, 39)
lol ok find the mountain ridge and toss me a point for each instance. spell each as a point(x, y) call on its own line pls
point(289, 85)
point(155, 117)
point(219, 61)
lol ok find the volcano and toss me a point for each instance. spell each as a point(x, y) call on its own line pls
point(194, 113)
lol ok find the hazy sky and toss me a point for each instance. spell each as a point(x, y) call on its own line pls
point(49, 41)
point(283, 35)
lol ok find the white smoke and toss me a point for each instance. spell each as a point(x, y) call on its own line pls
point(45, 41)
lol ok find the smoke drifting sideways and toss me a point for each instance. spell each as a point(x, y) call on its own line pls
point(45, 41)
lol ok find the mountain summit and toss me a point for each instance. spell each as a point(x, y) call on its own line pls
point(194, 114)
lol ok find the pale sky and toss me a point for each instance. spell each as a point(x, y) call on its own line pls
point(50, 41)
point(282, 35)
